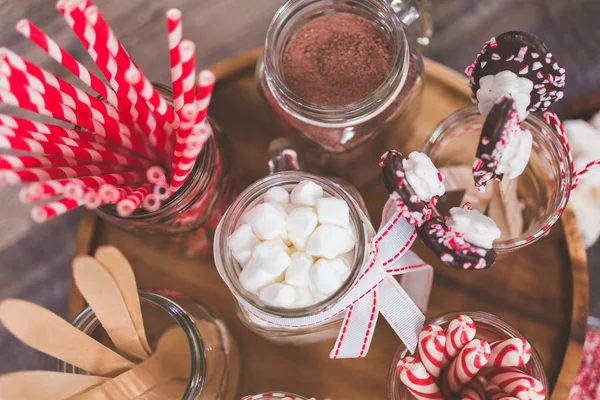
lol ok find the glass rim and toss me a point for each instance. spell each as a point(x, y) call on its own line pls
point(87, 319)
point(336, 116)
point(507, 328)
point(544, 226)
point(223, 257)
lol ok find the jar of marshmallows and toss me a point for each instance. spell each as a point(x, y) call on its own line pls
point(290, 247)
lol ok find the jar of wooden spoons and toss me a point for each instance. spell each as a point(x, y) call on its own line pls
point(212, 369)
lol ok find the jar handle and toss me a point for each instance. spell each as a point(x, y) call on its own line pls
point(416, 15)
point(283, 156)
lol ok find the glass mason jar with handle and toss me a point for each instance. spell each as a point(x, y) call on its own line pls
point(215, 359)
point(346, 139)
point(285, 174)
point(185, 222)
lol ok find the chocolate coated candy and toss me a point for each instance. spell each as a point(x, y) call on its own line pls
point(492, 141)
point(526, 56)
point(451, 248)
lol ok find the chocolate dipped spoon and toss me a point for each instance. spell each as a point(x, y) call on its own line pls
point(446, 237)
point(513, 75)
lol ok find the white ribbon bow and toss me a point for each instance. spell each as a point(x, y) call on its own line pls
point(375, 291)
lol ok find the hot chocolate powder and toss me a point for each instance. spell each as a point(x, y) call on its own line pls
point(336, 59)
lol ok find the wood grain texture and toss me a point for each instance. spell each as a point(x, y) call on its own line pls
point(544, 314)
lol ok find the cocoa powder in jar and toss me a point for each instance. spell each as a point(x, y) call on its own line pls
point(336, 59)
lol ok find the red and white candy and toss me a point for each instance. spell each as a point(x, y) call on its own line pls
point(419, 383)
point(432, 341)
point(514, 352)
point(461, 330)
point(473, 391)
point(471, 359)
point(517, 383)
point(493, 392)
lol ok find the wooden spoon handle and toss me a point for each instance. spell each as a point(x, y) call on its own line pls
point(119, 268)
point(45, 385)
point(103, 295)
point(47, 332)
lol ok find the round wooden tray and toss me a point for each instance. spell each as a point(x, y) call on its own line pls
point(542, 290)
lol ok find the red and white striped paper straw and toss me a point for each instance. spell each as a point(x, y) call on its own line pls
point(32, 32)
point(514, 352)
point(471, 359)
point(174, 33)
point(55, 149)
point(127, 206)
point(40, 137)
point(187, 52)
point(17, 162)
point(15, 177)
point(415, 378)
point(432, 341)
point(45, 212)
point(206, 83)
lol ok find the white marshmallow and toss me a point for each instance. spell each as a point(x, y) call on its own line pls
point(253, 277)
point(423, 176)
point(280, 208)
point(324, 279)
point(349, 257)
point(475, 227)
point(297, 272)
point(328, 241)
point(595, 121)
point(306, 193)
point(299, 242)
point(289, 207)
point(351, 240)
point(301, 222)
point(515, 156)
point(331, 210)
point(491, 87)
point(277, 195)
point(266, 221)
point(242, 242)
point(304, 297)
point(285, 238)
point(280, 243)
point(278, 295)
point(271, 257)
point(341, 266)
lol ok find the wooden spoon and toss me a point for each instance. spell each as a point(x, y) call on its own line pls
point(117, 265)
point(47, 332)
point(45, 385)
point(171, 390)
point(102, 293)
point(171, 359)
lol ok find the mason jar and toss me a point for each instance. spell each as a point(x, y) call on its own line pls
point(489, 328)
point(524, 208)
point(215, 359)
point(186, 221)
point(229, 268)
point(347, 140)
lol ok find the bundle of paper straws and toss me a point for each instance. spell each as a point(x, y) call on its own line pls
point(128, 146)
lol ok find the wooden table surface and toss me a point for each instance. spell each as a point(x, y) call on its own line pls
point(40, 263)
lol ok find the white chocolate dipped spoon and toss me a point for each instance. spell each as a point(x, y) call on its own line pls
point(119, 268)
point(47, 332)
point(102, 294)
point(45, 385)
point(171, 359)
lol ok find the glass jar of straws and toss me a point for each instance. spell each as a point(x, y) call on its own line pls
point(215, 359)
point(190, 216)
